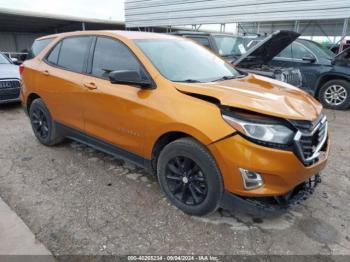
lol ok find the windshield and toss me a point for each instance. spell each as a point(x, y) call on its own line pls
point(184, 61)
point(230, 45)
point(319, 50)
point(4, 60)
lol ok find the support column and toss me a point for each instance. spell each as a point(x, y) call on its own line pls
point(83, 26)
point(345, 30)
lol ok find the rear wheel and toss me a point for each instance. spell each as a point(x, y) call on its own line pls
point(189, 177)
point(335, 94)
point(43, 126)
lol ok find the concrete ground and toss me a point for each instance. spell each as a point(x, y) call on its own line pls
point(79, 201)
point(16, 238)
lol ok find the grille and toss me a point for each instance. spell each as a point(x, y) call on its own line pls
point(311, 139)
point(293, 77)
point(9, 84)
point(9, 94)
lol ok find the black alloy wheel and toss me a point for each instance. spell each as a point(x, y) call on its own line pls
point(40, 123)
point(186, 181)
point(43, 125)
point(189, 177)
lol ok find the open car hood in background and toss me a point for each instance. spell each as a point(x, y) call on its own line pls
point(268, 48)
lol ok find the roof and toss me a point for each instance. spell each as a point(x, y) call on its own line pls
point(35, 22)
point(124, 34)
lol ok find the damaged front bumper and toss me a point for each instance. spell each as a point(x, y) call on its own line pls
point(274, 204)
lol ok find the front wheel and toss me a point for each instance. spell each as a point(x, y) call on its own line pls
point(189, 177)
point(335, 94)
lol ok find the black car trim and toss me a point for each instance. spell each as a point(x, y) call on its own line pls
point(103, 146)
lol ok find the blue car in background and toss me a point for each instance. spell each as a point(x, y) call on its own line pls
point(324, 74)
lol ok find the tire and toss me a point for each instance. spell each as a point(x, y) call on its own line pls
point(341, 91)
point(202, 189)
point(43, 125)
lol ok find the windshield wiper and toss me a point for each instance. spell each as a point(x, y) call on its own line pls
point(225, 78)
point(189, 81)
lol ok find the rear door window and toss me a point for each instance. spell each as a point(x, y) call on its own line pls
point(73, 53)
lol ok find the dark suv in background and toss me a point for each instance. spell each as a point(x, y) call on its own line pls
point(325, 75)
point(256, 59)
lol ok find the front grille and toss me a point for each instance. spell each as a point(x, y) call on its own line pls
point(310, 139)
point(9, 84)
point(9, 89)
point(293, 77)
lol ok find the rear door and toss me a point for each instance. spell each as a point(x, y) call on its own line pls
point(60, 80)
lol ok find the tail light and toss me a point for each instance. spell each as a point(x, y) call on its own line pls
point(21, 69)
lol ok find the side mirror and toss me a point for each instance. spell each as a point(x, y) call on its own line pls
point(309, 58)
point(129, 77)
point(14, 60)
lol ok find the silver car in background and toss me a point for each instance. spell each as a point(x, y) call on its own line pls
point(9, 81)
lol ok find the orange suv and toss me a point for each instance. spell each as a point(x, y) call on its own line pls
point(213, 135)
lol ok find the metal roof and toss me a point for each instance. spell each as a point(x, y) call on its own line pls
point(34, 22)
point(140, 13)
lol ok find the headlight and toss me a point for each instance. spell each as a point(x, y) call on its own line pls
point(269, 132)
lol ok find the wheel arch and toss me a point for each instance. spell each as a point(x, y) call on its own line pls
point(328, 77)
point(30, 99)
point(167, 138)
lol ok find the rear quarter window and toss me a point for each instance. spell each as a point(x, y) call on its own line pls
point(38, 46)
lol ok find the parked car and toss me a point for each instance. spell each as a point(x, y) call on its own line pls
point(253, 60)
point(9, 81)
point(325, 75)
point(213, 136)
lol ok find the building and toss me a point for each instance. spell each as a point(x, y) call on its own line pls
point(18, 29)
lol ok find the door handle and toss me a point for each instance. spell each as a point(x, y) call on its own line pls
point(90, 86)
point(46, 73)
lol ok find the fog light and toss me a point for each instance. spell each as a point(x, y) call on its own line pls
point(251, 180)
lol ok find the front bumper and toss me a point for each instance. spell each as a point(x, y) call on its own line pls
point(262, 206)
point(282, 171)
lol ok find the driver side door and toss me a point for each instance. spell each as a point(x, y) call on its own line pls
point(114, 113)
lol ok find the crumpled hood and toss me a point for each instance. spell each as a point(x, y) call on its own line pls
point(9, 71)
point(259, 94)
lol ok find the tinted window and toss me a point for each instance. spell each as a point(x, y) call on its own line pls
point(53, 57)
point(39, 46)
point(299, 51)
point(73, 53)
point(111, 55)
point(204, 41)
point(296, 51)
point(287, 52)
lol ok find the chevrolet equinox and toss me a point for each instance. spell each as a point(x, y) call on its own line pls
point(213, 135)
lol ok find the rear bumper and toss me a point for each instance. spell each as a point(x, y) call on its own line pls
point(282, 171)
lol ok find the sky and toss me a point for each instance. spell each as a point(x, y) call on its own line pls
point(105, 9)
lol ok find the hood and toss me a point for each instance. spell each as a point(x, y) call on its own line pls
point(9, 71)
point(259, 94)
point(264, 51)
